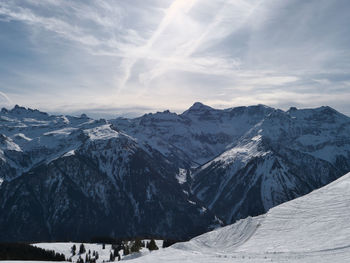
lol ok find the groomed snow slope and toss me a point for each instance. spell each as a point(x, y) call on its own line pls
point(312, 228)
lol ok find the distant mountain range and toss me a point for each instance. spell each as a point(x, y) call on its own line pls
point(164, 174)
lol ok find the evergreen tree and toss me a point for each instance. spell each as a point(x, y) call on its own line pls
point(111, 257)
point(82, 249)
point(136, 246)
point(126, 250)
point(152, 245)
point(138, 242)
point(115, 253)
point(103, 245)
point(73, 249)
point(96, 255)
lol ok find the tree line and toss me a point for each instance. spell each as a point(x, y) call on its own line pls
point(16, 251)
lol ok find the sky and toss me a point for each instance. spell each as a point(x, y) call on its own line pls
point(114, 57)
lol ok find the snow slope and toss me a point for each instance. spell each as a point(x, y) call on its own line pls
point(312, 228)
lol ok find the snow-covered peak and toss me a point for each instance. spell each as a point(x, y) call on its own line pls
point(321, 122)
point(285, 154)
point(324, 114)
point(7, 143)
point(103, 132)
point(158, 117)
point(198, 108)
point(23, 112)
point(322, 132)
point(33, 137)
point(250, 110)
point(243, 152)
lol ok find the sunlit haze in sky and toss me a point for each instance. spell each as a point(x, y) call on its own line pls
point(129, 57)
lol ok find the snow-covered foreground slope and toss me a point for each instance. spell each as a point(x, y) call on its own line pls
point(312, 228)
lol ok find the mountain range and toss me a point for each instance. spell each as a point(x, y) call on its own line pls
point(163, 174)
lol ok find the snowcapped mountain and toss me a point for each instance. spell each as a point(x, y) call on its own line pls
point(29, 137)
point(286, 155)
point(249, 159)
point(312, 228)
point(195, 136)
point(115, 177)
point(74, 178)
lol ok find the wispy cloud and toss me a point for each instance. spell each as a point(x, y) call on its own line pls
point(5, 101)
point(153, 54)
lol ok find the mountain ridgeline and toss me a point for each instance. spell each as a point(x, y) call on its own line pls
point(165, 174)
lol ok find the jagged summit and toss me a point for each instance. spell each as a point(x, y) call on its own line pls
point(198, 107)
point(19, 110)
point(326, 114)
point(291, 109)
point(4, 111)
point(321, 109)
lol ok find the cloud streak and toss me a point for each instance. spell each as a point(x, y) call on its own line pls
point(153, 54)
point(5, 101)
